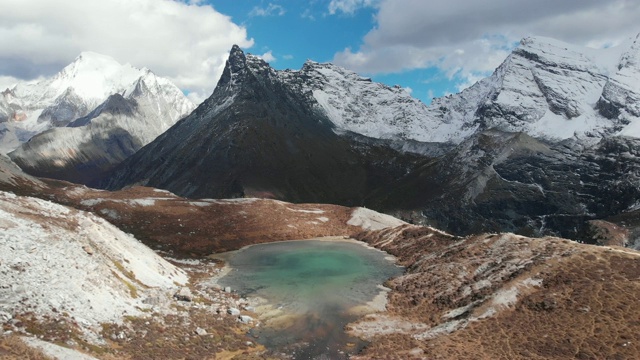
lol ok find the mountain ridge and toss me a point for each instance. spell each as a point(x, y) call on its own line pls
point(544, 97)
point(546, 88)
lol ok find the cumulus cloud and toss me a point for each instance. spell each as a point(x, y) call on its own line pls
point(468, 38)
point(270, 10)
point(268, 56)
point(186, 41)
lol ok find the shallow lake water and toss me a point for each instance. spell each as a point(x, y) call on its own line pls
point(307, 291)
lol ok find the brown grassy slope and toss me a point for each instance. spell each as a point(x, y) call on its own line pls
point(493, 296)
point(186, 226)
point(13, 348)
point(516, 298)
point(196, 227)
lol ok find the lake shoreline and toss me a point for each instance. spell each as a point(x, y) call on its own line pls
point(276, 314)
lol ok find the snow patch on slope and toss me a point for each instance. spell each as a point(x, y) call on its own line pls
point(55, 351)
point(372, 220)
point(357, 104)
point(55, 259)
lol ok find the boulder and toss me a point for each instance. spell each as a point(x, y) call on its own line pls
point(233, 311)
point(184, 294)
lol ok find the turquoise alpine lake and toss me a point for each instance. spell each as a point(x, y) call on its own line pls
point(307, 291)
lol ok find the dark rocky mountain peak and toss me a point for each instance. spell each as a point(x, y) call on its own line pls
point(234, 68)
point(260, 134)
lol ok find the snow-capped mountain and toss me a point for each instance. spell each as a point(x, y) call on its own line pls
point(621, 95)
point(131, 114)
point(357, 104)
point(30, 108)
point(551, 90)
point(546, 88)
point(532, 148)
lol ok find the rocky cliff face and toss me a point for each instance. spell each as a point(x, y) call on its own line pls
point(498, 181)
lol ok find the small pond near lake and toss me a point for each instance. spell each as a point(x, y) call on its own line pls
point(307, 291)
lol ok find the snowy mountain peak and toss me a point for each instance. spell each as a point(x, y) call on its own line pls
point(238, 66)
point(152, 83)
point(234, 66)
point(95, 76)
point(93, 57)
point(30, 108)
point(620, 100)
point(631, 58)
point(237, 59)
point(548, 89)
point(351, 102)
point(356, 103)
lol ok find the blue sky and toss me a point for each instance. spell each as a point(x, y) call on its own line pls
point(340, 31)
point(432, 47)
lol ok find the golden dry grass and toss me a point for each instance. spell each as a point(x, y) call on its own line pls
point(13, 348)
point(585, 308)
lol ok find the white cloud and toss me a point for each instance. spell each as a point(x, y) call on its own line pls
point(287, 57)
point(183, 40)
point(268, 56)
point(198, 96)
point(349, 6)
point(308, 14)
point(468, 39)
point(270, 10)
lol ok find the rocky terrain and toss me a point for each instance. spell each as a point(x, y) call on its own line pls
point(503, 296)
point(72, 279)
point(497, 181)
point(485, 296)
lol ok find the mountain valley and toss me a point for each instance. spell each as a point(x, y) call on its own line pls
point(513, 207)
point(454, 300)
